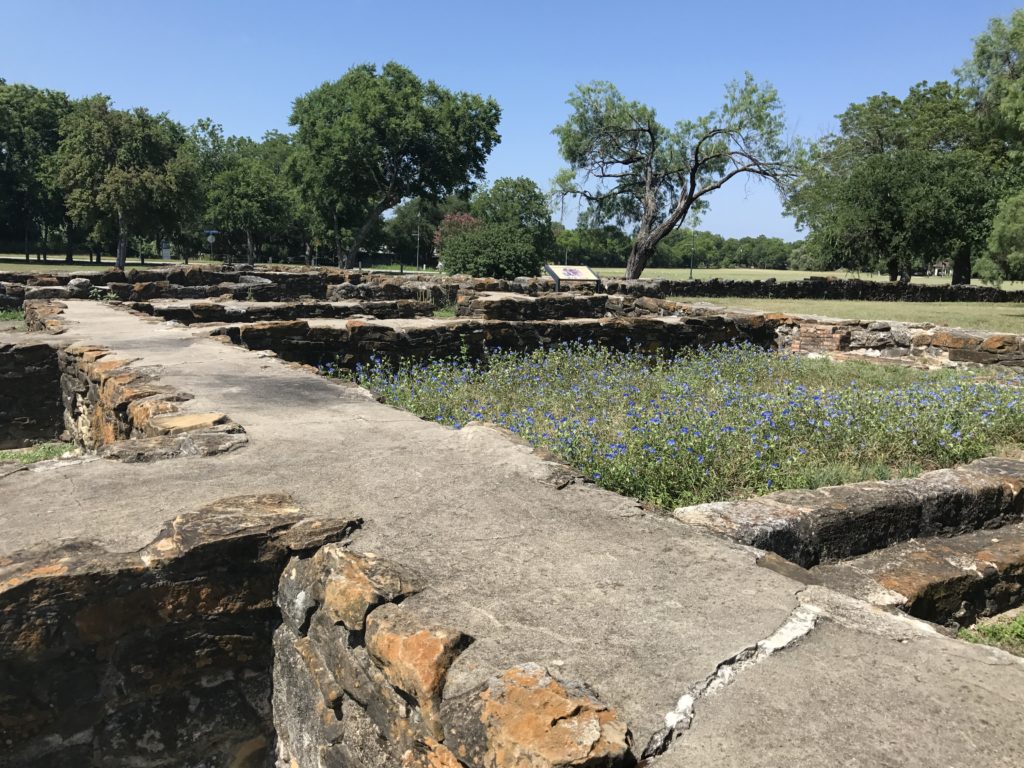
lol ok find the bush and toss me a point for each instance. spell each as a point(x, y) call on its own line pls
point(490, 250)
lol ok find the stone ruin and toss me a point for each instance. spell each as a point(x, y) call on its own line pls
point(247, 564)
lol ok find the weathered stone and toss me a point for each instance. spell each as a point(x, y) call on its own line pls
point(176, 423)
point(414, 655)
point(525, 718)
point(953, 579)
point(356, 583)
point(826, 524)
point(430, 754)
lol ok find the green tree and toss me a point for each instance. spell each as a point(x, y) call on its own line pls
point(124, 170)
point(482, 249)
point(519, 202)
point(249, 198)
point(633, 170)
point(29, 135)
point(1005, 257)
point(994, 78)
point(902, 185)
point(373, 138)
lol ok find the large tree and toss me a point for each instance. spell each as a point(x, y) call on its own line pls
point(29, 134)
point(902, 185)
point(124, 171)
point(375, 137)
point(633, 170)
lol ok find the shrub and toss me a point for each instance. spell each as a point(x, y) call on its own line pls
point(490, 250)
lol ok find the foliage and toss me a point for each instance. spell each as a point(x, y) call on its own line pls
point(518, 202)
point(249, 197)
point(994, 77)
point(124, 171)
point(1008, 635)
point(720, 423)
point(29, 134)
point(1005, 258)
point(371, 139)
point(902, 186)
point(593, 246)
point(413, 227)
point(12, 314)
point(490, 250)
point(633, 170)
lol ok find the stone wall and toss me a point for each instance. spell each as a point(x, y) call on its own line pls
point(348, 343)
point(188, 313)
point(279, 284)
point(155, 658)
point(828, 524)
point(123, 413)
point(30, 403)
point(359, 681)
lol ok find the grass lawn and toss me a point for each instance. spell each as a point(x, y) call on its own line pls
point(717, 424)
point(779, 274)
point(1004, 318)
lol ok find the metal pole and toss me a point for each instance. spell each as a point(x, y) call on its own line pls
point(417, 239)
point(693, 233)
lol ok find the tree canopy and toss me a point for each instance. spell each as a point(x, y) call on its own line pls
point(632, 170)
point(903, 185)
point(373, 138)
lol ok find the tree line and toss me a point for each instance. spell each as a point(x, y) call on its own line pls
point(382, 162)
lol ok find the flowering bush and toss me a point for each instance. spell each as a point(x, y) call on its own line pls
point(719, 423)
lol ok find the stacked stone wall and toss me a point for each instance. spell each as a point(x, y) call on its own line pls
point(360, 678)
point(119, 412)
point(155, 658)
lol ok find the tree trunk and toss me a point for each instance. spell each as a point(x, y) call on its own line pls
point(893, 268)
point(337, 242)
point(69, 245)
point(364, 230)
point(27, 249)
point(251, 249)
point(305, 255)
point(962, 266)
point(122, 241)
point(637, 261)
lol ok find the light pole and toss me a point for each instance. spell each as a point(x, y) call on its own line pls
point(417, 238)
point(692, 235)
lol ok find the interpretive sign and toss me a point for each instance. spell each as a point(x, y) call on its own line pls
point(560, 272)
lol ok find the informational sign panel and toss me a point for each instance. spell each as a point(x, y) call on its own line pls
point(567, 272)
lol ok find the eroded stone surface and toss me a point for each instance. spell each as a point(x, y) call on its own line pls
point(527, 718)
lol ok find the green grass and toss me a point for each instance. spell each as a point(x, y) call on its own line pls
point(35, 453)
point(12, 314)
point(718, 424)
point(1008, 635)
point(1004, 318)
point(780, 275)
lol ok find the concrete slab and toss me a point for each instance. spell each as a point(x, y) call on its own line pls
point(853, 697)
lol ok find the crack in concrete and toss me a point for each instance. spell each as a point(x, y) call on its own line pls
point(800, 622)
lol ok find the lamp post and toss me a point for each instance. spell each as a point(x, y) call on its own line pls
point(417, 238)
point(692, 235)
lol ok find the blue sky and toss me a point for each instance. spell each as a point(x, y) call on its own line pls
point(242, 63)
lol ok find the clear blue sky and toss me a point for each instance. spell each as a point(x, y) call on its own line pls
point(242, 63)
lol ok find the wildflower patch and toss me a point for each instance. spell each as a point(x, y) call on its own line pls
point(716, 424)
